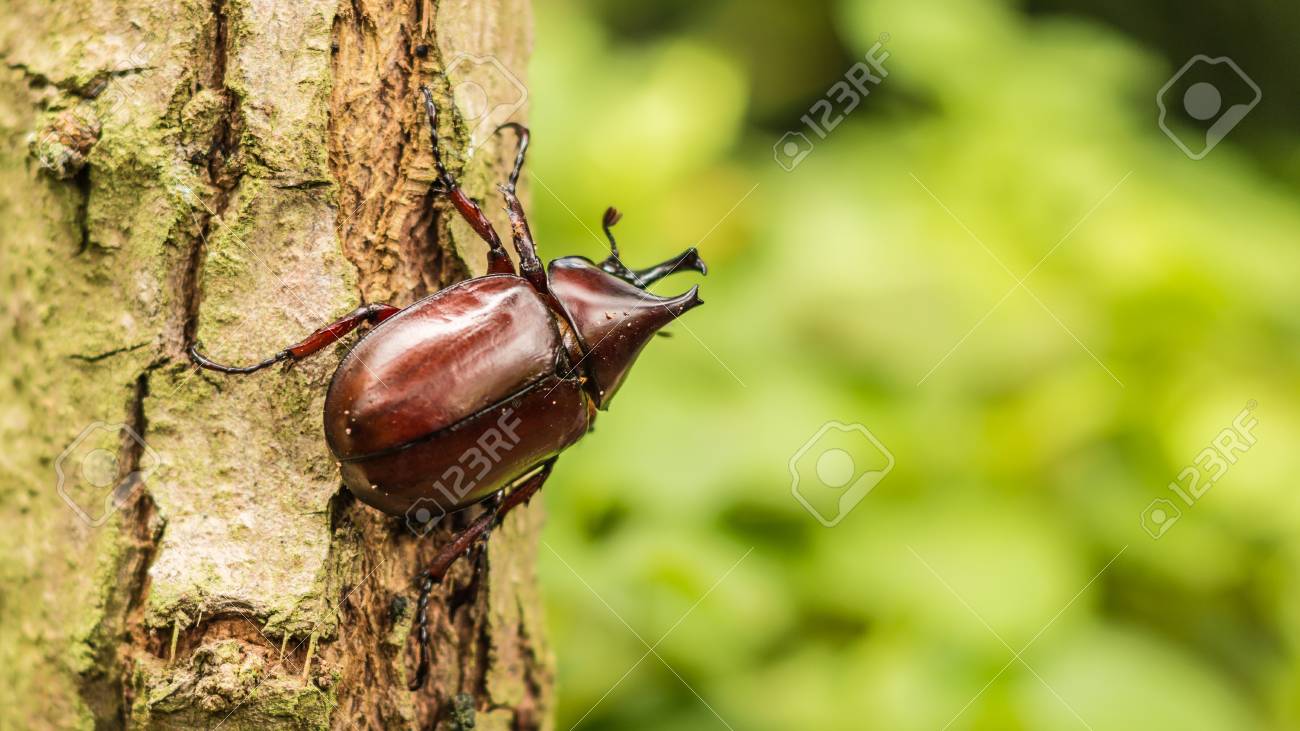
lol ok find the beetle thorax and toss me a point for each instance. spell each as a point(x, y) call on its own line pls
point(614, 318)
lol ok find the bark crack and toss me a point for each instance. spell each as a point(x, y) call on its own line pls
point(107, 354)
point(143, 526)
point(120, 631)
point(221, 172)
point(85, 90)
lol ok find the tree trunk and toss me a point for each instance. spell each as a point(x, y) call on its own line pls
point(178, 551)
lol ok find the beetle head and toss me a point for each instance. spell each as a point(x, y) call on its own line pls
point(615, 317)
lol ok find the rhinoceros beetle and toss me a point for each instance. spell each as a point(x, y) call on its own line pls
point(469, 395)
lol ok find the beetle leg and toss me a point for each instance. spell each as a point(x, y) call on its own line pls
point(529, 265)
point(462, 541)
point(493, 505)
point(312, 344)
point(520, 152)
point(498, 259)
point(422, 619)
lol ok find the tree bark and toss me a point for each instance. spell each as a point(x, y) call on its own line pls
point(178, 551)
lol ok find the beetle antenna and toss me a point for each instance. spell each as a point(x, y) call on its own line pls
point(612, 217)
point(613, 264)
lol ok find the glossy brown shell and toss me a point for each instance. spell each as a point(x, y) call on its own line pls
point(454, 397)
point(615, 320)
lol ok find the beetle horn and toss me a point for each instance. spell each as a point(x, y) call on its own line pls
point(634, 323)
point(689, 259)
point(614, 317)
point(687, 301)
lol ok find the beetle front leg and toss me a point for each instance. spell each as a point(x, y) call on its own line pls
point(461, 543)
point(312, 344)
point(530, 266)
point(498, 259)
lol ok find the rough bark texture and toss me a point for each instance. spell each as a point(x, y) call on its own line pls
point(177, 551)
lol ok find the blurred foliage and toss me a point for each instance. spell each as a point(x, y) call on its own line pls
point(876, 284)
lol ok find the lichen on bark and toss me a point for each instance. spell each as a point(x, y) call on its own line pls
point(236, 172)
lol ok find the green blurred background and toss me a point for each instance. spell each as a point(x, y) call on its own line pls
point(875, 284)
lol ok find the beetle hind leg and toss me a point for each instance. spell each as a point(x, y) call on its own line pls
point(461, 543)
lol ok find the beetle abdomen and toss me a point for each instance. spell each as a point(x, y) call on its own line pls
point(414, 398)
point(474, 458)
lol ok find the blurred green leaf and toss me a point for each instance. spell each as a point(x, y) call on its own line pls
point(1001, 267)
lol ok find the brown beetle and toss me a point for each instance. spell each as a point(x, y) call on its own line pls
point(470, 393)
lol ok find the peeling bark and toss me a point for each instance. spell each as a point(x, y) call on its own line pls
point(179, 550)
